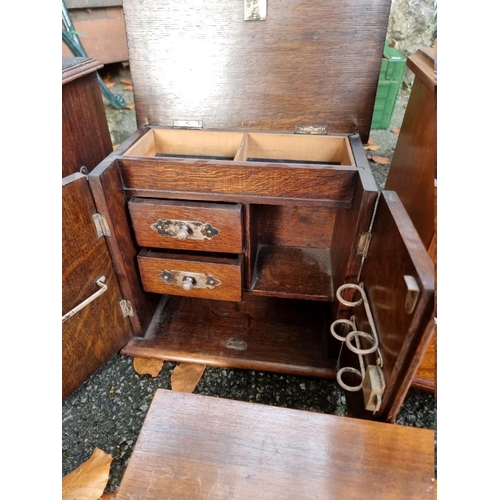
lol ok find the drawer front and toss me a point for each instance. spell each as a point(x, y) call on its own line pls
point(198, 277)
point(207, 227)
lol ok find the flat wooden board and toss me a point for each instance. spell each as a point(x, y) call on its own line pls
point(307, 63)
point(258, 333)
point(193, 447)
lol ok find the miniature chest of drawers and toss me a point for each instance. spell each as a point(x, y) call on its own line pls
point(242, 218)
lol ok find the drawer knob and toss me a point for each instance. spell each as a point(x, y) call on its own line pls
point(183, 233)
point(189, 280)
point(188, 283)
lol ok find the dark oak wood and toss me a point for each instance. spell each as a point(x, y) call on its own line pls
point(111, 202)
point(305, 202)
point(227, 271)
point(225, 218)
point(94, 334)
point(85, 135)
point(414, 169)
point(308, 62)
point(414, 164)
point(350, 225)
point(281, 335)
point(396, 251)
point(247, 451)
point(237, 181)
point(293, 272)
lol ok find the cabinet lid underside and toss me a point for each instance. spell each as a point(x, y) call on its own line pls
point(307, 63)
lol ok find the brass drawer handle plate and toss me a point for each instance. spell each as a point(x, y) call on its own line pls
point(86, 302)
point(188, 281)
point(183, 230)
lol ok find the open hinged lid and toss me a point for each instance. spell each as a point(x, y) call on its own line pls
point(291, 63)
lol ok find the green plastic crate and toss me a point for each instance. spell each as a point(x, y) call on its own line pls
point(392, 72)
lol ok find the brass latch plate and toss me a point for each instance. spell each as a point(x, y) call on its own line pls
point(188, 280)
point(185, 230)
point(255, 10)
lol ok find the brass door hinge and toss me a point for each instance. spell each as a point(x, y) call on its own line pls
point(364, 243)
point(101, 225)
point(126, 307)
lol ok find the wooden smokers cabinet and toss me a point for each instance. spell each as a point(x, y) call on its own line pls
point(244, 201)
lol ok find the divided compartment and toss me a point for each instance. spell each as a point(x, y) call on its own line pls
point(241, 146)
point(297, 148)
point(185, 143)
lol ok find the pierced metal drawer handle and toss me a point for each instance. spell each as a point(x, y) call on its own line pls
point(86, 302)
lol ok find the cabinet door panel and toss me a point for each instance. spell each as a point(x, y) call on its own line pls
point(97, 331)
point(396, 264)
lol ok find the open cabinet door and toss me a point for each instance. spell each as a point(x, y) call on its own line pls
point(95, 323)
point(398, 278)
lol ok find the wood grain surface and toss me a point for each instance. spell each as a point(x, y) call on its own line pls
point(85, 135)
point(227, 271)
point(413, 171)
point(258, 333)
point(307, 63)
point(107, 190)
point(94, 334)
point(396, 251)
point(225, 218)
point(249, 451)
point(238, 181)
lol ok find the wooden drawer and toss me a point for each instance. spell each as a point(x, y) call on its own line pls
point(191, 276)
point(207, 227)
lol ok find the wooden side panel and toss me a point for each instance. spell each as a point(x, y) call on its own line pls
point(85, 135)
point(92, 335)
point(111, 202)
point(413, 167)
point(351, 224)
point(395, 252)
point(247, 451)
point(225, 225)
point(307, 63)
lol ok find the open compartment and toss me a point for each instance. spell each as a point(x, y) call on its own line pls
point(184, 143)
point(257, 333)
point(296, 148)
point(292, 252)
point(242, 146)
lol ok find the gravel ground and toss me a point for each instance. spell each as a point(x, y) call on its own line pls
point(108, 410)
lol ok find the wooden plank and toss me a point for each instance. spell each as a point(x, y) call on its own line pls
point(248, 451)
